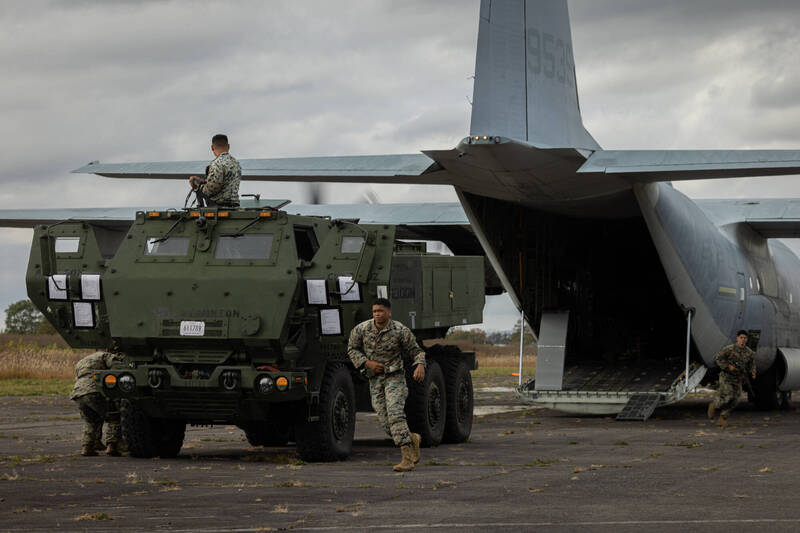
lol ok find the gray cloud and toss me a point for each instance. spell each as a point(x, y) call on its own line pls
point(144, 81)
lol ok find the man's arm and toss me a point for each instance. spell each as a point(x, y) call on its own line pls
point(722, 358)
point(355, 348)
point(409, 344)
point(215, 180)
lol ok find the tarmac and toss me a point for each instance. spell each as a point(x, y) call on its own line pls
point(522, 469)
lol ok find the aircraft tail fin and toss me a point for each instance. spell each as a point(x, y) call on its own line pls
point(525, 84)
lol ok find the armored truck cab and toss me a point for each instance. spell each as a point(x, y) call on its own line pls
point(242, 316)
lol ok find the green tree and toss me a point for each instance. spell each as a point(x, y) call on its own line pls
point(23, 318)
point(474, 335)
point(515, 334)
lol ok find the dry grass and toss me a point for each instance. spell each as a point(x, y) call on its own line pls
point(37, 357)
point(490, 355)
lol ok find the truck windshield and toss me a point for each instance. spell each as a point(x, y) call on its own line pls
point(170, 246)
point(247, 246)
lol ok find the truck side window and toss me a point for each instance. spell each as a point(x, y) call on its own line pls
point(170, 246)
point(67, 245)
point(248, 246)
point(352, 245)
point(306, 242)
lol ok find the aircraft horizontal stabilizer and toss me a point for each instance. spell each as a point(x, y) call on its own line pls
point(776, 228)
point(644, 166)
point(400, 168)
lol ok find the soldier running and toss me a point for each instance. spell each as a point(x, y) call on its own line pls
point(95, 408)
point(735, 362)
point(376, 348)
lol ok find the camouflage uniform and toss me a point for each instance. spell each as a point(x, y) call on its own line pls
point(730, 383)
point(222, 180)
point(388, 390)
point(94, 407)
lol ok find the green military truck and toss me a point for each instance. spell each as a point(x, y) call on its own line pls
point(242, 316)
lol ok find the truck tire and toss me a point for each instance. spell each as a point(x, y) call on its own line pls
point(460, 400)
point(268, 433)
point(331, 437)
point(426, 407)
point(147, 436)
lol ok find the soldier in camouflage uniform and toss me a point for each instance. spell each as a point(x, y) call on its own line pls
point(220, 187)
point(94, 407)
point(735, 362)
point(376, 348)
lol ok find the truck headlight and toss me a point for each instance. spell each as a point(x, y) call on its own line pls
point(127, 383)
point(265, 384)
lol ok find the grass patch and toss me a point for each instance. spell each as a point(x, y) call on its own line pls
point(94, 516)
point(684, 444)
point(36, 387)
point(485, 371)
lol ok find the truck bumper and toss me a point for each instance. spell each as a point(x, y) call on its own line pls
point(231, 394)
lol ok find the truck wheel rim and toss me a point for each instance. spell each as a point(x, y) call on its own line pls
point(463, 401)
point(435, 406)
point(341, 418)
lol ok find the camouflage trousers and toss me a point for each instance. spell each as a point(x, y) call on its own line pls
point(389, 395)
point(727, 397)
point(95, 410)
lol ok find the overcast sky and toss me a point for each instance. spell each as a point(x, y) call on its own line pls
point(153, 80)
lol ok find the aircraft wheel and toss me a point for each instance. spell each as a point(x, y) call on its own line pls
point(765, 387)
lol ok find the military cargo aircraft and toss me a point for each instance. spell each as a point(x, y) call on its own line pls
point(631, 286)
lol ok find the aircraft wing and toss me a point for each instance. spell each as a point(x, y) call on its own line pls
point(643, 166)
point(400, 168)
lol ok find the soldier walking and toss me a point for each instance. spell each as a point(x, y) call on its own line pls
point(94, 407)
point(735, 362)
point(376, 348)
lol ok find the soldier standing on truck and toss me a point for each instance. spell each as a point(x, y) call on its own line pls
point(376, 348)
point(94, 407)
point(735, 362)
point(220, 187)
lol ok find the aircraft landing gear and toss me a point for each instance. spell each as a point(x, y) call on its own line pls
point(767, 395)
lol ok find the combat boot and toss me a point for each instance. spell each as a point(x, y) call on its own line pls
point(723, 422)
point(113, 449)
point(88, 450)
point(99, 446)
point(407, 463)
point(711, 411)
point(416, 440)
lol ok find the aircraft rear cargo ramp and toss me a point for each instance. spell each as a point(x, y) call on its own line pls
point(630, 390)
point(629, 385)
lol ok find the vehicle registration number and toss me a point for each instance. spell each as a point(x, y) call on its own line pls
point(192, 328)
